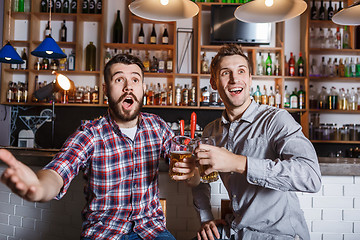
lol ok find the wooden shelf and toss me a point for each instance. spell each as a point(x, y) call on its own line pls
point(338, 79)
point(335, 111)
point(333, 141)
point(327, 51)
point(149, 47)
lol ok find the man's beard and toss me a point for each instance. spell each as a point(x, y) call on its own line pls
point(125, 115)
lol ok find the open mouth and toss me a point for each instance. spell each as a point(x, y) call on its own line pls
point(235, 91)
point(128, 102)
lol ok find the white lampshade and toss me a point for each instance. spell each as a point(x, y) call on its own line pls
point(267, 11)
point(164, 10)
point(348, 16)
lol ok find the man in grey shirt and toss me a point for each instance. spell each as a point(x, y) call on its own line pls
point(262, 156)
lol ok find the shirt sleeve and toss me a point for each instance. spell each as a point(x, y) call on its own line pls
point(167, 135)
point(296, 168)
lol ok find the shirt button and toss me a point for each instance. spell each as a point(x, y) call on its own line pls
point(232, 173)
point(231, 129)
point(234, 196)
point(135, 185)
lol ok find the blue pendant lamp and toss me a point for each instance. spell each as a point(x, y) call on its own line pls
point(49, 48)
point(9, 55)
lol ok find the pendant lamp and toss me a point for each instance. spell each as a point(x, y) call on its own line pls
point(49, 48)
point(348, 16)
point(8, 54)
point(267, 11)
point(164, 10)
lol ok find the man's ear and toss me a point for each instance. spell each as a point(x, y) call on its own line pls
point(213, 83)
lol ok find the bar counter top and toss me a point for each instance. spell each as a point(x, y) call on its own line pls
point(329, 166)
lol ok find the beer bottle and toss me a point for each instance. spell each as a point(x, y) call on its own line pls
point(322, 11)
point(99, 6)
point(43, 6)
point(85, 6)
point(313, 11)
point(92, 6)
point(117, 29)
point(58, 6)
point(141, 35)
point(165, 37)
point(153, 35)
point(63, 32)
point(73, 6)
point(21, 6)
point(65, 6)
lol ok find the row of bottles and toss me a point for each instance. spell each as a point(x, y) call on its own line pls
point(157, 95)
point(24, 65)
point(153, 36)
point(332, 68)
point(343, 100)
point(67, 6)
point(329, 38)
point(63, 31)
point(295, 100)
point(323, 12)
point(21, 5)
point(17, 92)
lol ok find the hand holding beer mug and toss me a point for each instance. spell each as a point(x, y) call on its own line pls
point(214, 176)
point(181, 147)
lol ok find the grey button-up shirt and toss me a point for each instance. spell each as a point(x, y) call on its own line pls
point(280, 161)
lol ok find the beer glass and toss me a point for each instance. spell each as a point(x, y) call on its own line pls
point(214, 176)
point(181, 147)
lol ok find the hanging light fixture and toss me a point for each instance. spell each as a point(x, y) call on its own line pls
point(49, 48)
point(8, 54)
point(164, 10)
point(348, 16)
point(267, 11)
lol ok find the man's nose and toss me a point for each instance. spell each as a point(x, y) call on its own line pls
point(128, 86)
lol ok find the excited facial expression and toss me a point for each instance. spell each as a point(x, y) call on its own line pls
point(125, 91)
point(233, 82)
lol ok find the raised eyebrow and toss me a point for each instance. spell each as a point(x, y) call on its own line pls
point(120, 72)
point(240, 66)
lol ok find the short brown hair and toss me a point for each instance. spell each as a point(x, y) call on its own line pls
point(227, 50)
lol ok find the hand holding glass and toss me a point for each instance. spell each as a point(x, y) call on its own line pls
point(214, 176)
point(181, 148)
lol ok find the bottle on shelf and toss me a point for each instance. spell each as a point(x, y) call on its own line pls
point(313, 98)
point(343, 100)
point(48, 30)
point(37, 65)
point(347, 67)
point(185, 95)
point(357, 67)
point(268, 65)
point(322, 11)
point(146, 62)
point(338, 38)
point(45, 65)
point(90, 57)
point(85, 6)
point(336, 67)
point(331, 39)
point(321, 38)
point(71, 62)
point(291, 65)
point(150, 95)
point(65, 6)
point(204, 64)
point(192, 96)
point(107, 56)
point(63, 32)
point(21, 6)
point(178, 95)
point(165, 36)
point(63, 63)
point(9, 93)
point(346, 38)
point(331, 68)
point(24, 57)
point(118, 29)
point(277, 97)
point(163, 95)
point(332, 101)
point(169, 62)
point(92, 6)
point(323, 68)
point(301, 95)
point(294, 99)
point(170, 95)
point(300, 65)
point(353, 100)
point(257, 95)
point(141, 35)
point(352, 68)
point(271, 97)
point(277, 65)
point(260, 69)
point(58, 6)
point(44, 6)
point(153, 35)
point(99, 7)
point(341, 68)
point(73, 6)
point(264, 96)
point(330, 11)
point(162, 61)
point(323, 98)
point(205, 97)
point(154, 65)
point(286, 101)
point(340, 6)
point(313, 11)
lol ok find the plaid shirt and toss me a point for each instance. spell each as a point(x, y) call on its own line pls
point(121, 176)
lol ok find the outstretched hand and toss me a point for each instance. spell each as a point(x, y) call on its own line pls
point(20, 178)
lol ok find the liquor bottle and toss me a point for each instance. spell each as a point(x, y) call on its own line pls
point(25, 59)
point(277, 65)
point(271, 97)
point(43, 6)
point(95, 95)
point(260, 68)
point(291, 65)
point(301, 95)
point(90, 57)
point(353, 100)
point(21, 6)
point(268, 65)
point(165, 36)
point(99, 7)
point(65, 6)
point(192, 96)
point(313, 98)
point(264, 96)
point(341, 68)
point(45, 65)
point(332, 99)
point(92, 6)
point(340, 6)
point(150, 98)
point(338, 38)
point(352, 68)
point(331, 69)
point(62, 63)
point(37, 65)
point(330, 11)
point(321, 38)
point(141, 36)
point(257, 95)
point(177, 95)
point(322, 11)
point(300, 65)
point(157, 95)
point(205, 97)
point(323, 98)
point(185, 95)
point(58, 6)
point(107, 56)
point(85, 6)
point(73, 6)
point(48, 30)
point(313, 15)
point(164, 95)
point(71, 61)
point(118, 29)
point(277, 97)
point(357, 68)
point(169, 62)
point(331, 39)
point(346, 38)
point(146, 62)
point(286, 98)
point(170, 95)
point(162, 61)
point(294, 100)
point(323, 68)
point(63, 32)
point(336, 67)
point(154, 65)
point(347, 67)
point(153, 35)
point(204, 64)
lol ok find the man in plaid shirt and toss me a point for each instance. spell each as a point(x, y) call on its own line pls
point(119, 156)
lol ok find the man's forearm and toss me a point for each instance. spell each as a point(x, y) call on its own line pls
point(51, 183)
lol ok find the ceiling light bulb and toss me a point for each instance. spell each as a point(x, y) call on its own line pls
point(7, 58)
point(269, 3)
point(49, 52)
point(164, 2)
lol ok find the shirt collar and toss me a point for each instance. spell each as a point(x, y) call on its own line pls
point(247, 116)
point(116, 127)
